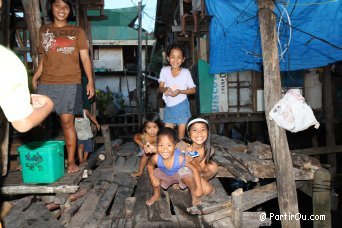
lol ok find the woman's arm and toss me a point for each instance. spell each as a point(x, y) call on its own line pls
point(84, 55)
point(37, 74)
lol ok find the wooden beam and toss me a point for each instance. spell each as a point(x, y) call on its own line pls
point(328, 108)
point(287, 195)
point(319, 150)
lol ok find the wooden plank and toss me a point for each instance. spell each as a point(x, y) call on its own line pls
point(118, 210)
point(107, 139)
point(181, 200)
point(17, 190)
point(4, 140)
point(87, 209)
point(29, 212)
point(103, 205)
point(130, 164)
point(319, 150)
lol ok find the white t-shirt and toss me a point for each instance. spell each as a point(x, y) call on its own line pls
point(182, 81)
point(14, 92)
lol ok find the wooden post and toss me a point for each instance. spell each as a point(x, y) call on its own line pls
point(4, 141)
point(287, 195)
point(107, 140)
point(5, 19)
point(33, 21)
point(328, 108)
point(321, 199)
point(237, 208)
point(139, 73)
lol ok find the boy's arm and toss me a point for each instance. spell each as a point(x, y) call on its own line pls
point(92, 119)
point(151, 164)
point(84, 55)
point(197, 177)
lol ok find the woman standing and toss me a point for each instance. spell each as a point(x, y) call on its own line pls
point(61, 46)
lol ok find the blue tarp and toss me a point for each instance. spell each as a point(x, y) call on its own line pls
point(235, 37)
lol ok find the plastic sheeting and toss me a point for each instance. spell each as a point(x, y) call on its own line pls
point(235, 37)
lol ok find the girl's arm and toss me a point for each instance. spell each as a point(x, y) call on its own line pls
point(138, 140)
point(92, 119)
point(37, 74)
point(163, 89)
point(197, 177)
point(185, 91)
point(84, 55)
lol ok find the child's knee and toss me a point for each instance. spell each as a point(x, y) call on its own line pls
point(212, 167)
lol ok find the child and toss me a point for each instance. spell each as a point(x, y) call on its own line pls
point(85, 135)
point(62, 47)
point(15, 95)
point(199, 135)
point(147, 140)
point(173, 169)
point(176, 83)
point(197, 6)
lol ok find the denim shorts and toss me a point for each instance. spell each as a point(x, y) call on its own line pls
point(88, 144)
point(67, 98)
point(178, 114)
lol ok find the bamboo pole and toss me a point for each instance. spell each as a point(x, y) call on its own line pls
point(287, 195)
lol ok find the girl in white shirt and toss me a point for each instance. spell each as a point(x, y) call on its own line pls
point(175, 82)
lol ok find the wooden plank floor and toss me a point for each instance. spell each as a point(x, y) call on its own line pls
point(113, 198)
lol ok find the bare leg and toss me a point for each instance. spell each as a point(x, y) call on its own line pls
point(190, 182)
point(85, 156)
point(67, 122)
point(194, 15)
point(80, 149)
point(155, 197)
point(184, 16)
point(210, 170)
point(142, 164)
point(207, 188)
point(181, 131)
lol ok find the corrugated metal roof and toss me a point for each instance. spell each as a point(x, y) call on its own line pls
point(116, 17)
point(115, 33)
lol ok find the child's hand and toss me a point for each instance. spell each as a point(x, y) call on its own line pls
point(38, 100)
point(188, 159)
point(175, 93)
point(155, 182)
point(98, 127)
point(149, 148)
point(168, 91)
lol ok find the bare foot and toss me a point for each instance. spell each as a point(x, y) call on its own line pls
point(72, 167)
point(176, 186)
point(195, 201)
point(136, 174)
point(182, 34)
point(152, 200)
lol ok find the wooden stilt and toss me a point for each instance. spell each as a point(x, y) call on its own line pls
point(287, 195)
point(237, 208)
point(321, 199)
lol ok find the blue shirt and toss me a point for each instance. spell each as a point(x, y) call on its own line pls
point(175, 167)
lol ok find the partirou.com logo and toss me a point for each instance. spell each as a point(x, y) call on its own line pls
point(290, 216)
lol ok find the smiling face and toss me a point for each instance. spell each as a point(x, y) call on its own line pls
point(151, 128)
point(176, 58)
point(60, 11)
point(166, 146)
point(198, 133)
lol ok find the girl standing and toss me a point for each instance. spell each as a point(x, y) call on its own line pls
point(199, 136)
point(61, 46)
point(147, 140)
point(175, 82)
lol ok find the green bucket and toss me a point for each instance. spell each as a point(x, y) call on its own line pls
point(42, 162)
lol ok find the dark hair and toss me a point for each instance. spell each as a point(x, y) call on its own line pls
point(151, 117)
point(166, 131)
point(207, 145)
point(175, 46)
point(50, 13)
